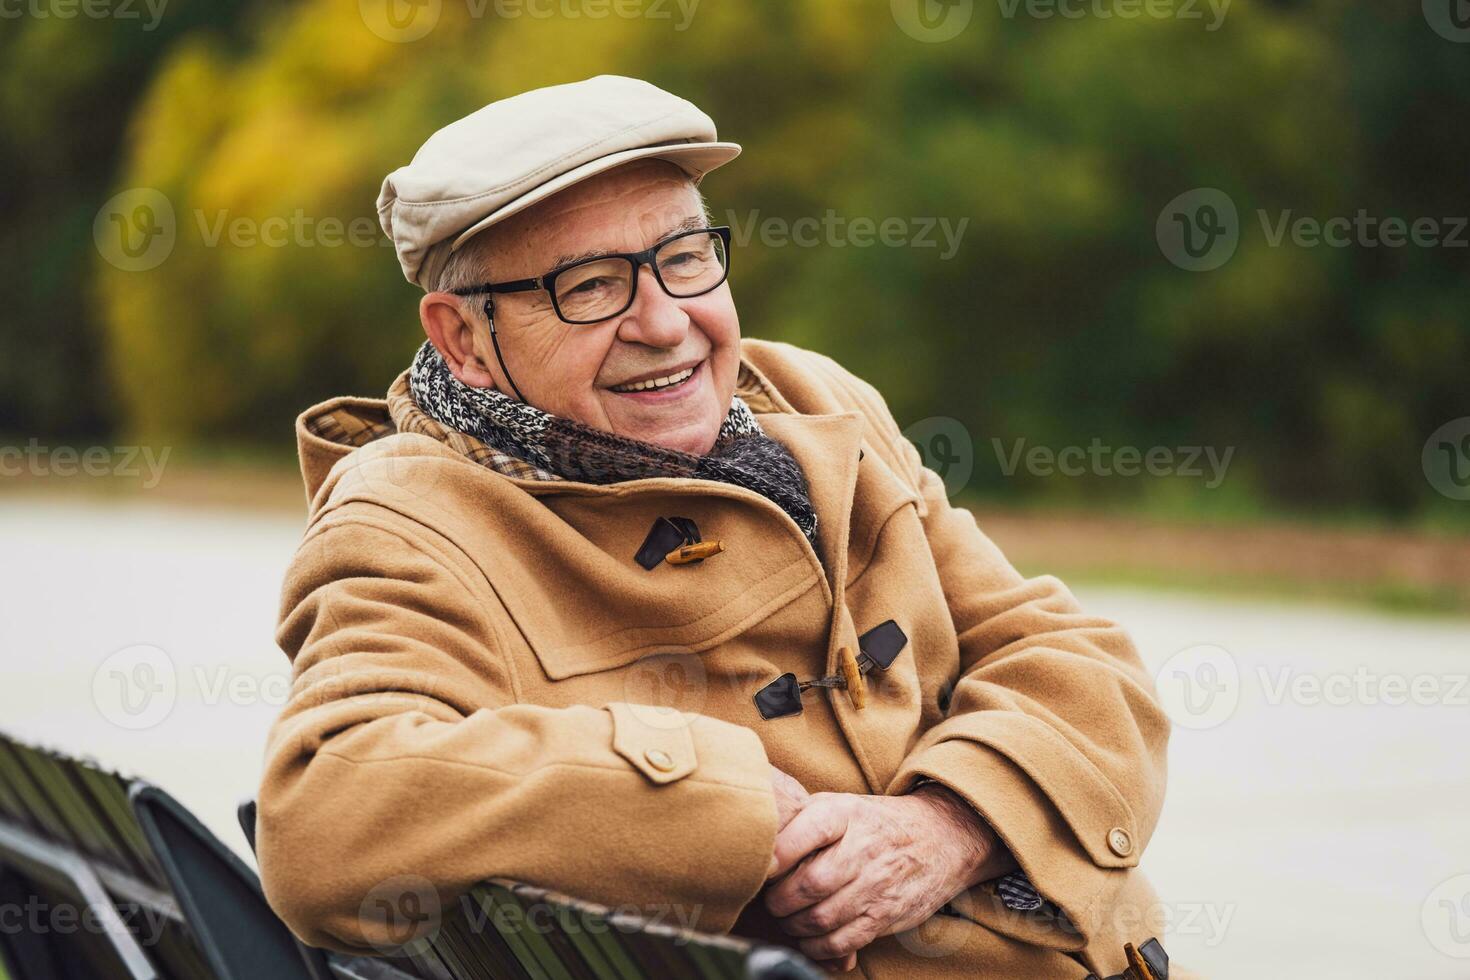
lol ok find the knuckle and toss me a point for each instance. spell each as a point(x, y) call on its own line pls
point(817, 881)
point(820, 920)
point(808, 890)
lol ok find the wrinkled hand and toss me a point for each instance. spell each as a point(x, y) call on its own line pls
point(859, 867)
point(791, 796)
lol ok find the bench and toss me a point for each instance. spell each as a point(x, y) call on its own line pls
point(103, 875)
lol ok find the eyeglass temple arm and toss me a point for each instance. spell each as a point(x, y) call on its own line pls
point(517, 286)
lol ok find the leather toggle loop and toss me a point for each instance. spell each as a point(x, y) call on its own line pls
point(669, 540)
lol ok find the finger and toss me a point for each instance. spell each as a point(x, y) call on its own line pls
point(816, 826)
point(817, 878)
point(840, 966)
point(849, 939)
point(830, 913)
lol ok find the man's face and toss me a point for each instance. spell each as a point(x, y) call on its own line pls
point(577, 371)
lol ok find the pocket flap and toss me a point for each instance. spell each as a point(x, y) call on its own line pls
point(656, 741)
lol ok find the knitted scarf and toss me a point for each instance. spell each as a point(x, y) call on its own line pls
point(743, 455)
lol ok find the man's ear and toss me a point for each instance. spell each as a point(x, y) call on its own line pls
point(443, 317)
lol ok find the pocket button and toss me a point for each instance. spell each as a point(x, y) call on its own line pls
point(659, 759)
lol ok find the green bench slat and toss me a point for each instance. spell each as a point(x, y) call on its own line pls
point(43, 815)
point(74, 808)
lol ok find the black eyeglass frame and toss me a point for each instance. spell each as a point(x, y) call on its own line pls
point(547, 281)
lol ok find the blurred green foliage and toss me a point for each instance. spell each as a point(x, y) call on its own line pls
point(1058, 320)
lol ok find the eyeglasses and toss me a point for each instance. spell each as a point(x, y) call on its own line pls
point(688, 264)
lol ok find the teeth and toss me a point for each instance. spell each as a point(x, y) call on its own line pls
point(663, 382)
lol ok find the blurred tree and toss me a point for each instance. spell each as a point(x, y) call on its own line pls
point(72, 84)
point(1053, 143)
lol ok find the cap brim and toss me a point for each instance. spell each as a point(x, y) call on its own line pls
point(696, 159)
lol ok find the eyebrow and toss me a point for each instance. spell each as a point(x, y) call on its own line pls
point(691, 223)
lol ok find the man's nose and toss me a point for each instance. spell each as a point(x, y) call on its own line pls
point(655, 319)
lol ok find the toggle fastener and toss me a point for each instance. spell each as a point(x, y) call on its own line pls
point(699, 551)
point(880, 646)
point(1147, 962)
point(675, 540)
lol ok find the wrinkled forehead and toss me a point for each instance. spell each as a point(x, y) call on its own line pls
point(625, 209)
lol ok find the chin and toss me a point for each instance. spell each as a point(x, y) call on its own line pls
point(693, 440)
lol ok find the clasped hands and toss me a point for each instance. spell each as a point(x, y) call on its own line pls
point(849, 868)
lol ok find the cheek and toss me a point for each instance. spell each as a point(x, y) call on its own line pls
point(716, 316)
point(577, 361)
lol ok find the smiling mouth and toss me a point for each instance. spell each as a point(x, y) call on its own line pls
point(657, 384)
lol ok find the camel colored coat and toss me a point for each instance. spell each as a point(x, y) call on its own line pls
point(478, 663)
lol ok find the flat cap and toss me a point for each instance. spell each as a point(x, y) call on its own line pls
point(505, 157)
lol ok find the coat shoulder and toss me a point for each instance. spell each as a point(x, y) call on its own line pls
point(813, 383)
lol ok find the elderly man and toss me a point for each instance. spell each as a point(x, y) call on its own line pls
point(604, 598)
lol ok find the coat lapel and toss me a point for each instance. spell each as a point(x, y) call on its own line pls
point(827, 447)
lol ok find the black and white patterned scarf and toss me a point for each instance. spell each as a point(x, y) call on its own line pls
point(743, 455)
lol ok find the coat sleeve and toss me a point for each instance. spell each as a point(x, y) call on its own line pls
point(402, 770)
point(1052, 732)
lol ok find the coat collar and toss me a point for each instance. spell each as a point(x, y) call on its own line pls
point(827, 445)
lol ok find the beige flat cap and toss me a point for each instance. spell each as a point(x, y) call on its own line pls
point(507, 156)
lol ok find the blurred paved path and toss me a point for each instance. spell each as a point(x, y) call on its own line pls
point(1317, 818)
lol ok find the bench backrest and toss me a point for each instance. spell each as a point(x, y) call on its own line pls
point(114, 878)
point(170, 900)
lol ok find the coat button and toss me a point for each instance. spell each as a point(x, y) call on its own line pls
point(659, 759)
point(1119, 841)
